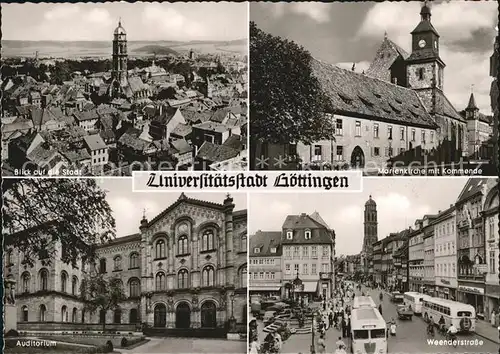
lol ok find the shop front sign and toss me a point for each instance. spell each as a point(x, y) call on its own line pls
point(444, 281)
point(470, 289)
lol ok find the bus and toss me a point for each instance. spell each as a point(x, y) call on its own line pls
point(414, 300)
point(463, 316)
point(363, 301)
point(368, 331)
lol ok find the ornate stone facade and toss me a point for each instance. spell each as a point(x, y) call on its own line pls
point(187, 268)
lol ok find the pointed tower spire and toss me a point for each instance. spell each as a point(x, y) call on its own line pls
point(385, 35)
point(472, 101)
point(119, 21)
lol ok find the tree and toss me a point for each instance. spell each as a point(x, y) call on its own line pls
point(287, 104)
point(100, 294)
point(42, 215)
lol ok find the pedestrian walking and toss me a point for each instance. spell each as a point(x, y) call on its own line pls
point(380, 308)
point(344, 328)
point(321, 344)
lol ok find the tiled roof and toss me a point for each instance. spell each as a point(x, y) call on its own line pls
point(219, 115)
point(86, 115)
point(121, 240)
point(195, 116)
point(95, 142)
point(133, 142)
point(76, 155)
point(136, 84)
point(316, 217)
point(421, 54)
point(425, 26)
point(472, 187)
point(211, 126)
point(299, 223)
point(182, 130)
point(472, 102)
point(216, 153)
point(387, 53)
point(358, 95)
point(445, 108)
point(166, 115)
point(234, 142)
point(264, 241)
point(181, 146)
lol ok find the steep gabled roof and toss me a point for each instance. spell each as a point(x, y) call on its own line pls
point(473, 187)
point(264, 241)
point(357, 95)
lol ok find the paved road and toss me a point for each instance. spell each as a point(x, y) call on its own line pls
point(411, 336)
point(188, 345)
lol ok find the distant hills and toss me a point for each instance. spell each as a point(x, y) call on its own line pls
point(71, 49)
point(156, 49)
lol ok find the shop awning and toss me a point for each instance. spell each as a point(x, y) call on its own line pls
point(265, 288)
point(310, 286)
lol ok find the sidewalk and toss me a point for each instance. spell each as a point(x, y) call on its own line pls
point(486, 330)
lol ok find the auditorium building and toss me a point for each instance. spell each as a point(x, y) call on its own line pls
point(184, 273)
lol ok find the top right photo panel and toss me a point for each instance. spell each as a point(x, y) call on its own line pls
point(391, 88)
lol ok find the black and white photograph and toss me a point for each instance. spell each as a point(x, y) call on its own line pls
point(392, 269)
point(389, 88)
point(107, 88)
point(97, 268)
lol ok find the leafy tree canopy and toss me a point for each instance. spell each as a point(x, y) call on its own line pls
point(287, 103)
point(41, 216)
point(101, 294)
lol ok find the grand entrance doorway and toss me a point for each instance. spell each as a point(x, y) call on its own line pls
point(358, 158)
point(208, 315)
point(182, 316)
point(160, 315)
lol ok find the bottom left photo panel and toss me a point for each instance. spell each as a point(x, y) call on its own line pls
point(92, 267)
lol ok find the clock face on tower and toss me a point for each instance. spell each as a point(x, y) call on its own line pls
point(421, 43)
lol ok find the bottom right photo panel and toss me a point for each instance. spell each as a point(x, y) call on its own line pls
point(408, 265)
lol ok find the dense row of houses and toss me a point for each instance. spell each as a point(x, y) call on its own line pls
point(113, 123)
point(452, 254)
point(296, 262)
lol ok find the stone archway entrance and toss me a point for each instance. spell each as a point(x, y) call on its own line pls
point(160, 315)
point(208, 315)
point(358, 158)
point(182, 316)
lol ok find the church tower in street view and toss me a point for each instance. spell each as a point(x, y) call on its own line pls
point(370, 231)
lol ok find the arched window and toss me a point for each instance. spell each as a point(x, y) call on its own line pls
point(135, 288)
point(73, 315)
point(25, 313)
point(133, 318)
point(64, 314)
point(160, 249)
point(208, 276)
point(44, 279)
point(182, 245)
point(207, 240)
point(134, 260)
point(243, 276)
point(42, 312)
point(160, 281)
point(117, 316)
point(117, 263)
point(102, 265)
point(74, 286)
point(243, 247)
point(64, 282)
point(26, 282)
point(182, 279)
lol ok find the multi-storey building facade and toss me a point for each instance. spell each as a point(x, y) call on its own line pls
point(265, 263)
point(445, 254)
point(428, 229)
point(185, 271)
point(308, 256)
point(377, 262)
point(490, 216)
point(401, 266)
point(416, 258)
point(471, 243)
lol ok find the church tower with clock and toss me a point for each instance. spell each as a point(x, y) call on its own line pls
point(424, 67)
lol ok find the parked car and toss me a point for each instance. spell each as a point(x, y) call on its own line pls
point(404, 312)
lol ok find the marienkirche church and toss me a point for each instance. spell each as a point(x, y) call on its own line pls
point(394, 114)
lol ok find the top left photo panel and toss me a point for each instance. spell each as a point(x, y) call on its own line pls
point(107, 89)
